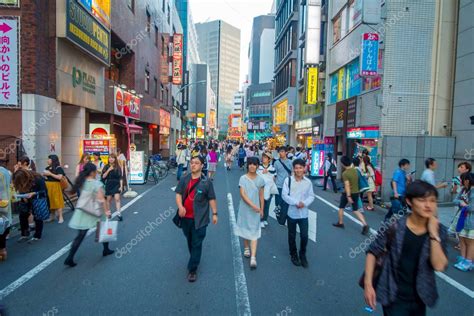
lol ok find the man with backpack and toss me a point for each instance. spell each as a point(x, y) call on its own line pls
point(283, 170)
point(351, 194)
point(330, 171)
point(241, 155)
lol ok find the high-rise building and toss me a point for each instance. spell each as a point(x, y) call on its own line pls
point(237, 106)
point(259, 91)
point(219, 47)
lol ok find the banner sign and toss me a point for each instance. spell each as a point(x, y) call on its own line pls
point(351, 112)
point(126, 104)
point(280, 112)
point(10, 3)
point(369, 132)
point(312, 86)
point(177, 58)
point(84, 30)
point(137, 167)
point(165, 118)
point(102, 146)
point(341, 116)
point(100, 9)
point(9, 62)
point(369, 54)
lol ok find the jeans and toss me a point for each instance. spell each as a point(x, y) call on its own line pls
point(404, 308)
point(3, 238)
point(25, 226)
point(81, 234)
point(333, 181)
point(195, 238)
point(303, 225)
point(397, 206)
point(266, 208)
point(180, 171)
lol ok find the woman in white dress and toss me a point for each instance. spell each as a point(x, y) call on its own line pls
point(250, 209)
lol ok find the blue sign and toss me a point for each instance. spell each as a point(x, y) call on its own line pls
point(363, 133)
point(354, 80)
point(333, 98)
point(87, 4)
point(369, 54)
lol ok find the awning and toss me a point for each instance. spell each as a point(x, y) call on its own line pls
point(134, 129)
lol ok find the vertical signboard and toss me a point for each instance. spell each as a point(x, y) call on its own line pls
point(340, 84)
point(312, 86)
point(137, 167)
point(9, 62)
point(177, 58)
point(291, 112)
point(341, 114)
point(351, 112)
point(369, 54)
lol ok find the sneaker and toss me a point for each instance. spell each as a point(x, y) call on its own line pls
point(304, 261)
point(365, 230)
point(262, 225)
point(296, 261)
point(192, 277)
point(340, 225)
point(465, 265)
point(459, 259)
point(253, 263)
point(266, 223)
point(23, 239)
point(33, 240)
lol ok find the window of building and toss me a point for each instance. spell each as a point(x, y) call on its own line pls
point(163, 46)
point(131, 5)
point(336, 29)
point(148, 22)
point(156, 36)
point(169, 14)
point(163, 7)
point(355, 13)
point(162, 93)
point(155, 83)
point(147, 81)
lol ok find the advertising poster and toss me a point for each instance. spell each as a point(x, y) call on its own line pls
point(126, 104)
point(102, 146)
point(317, 160)
point(177, 58)
point(369, 54)
point(312, 86)
point(137, 167)
point(9, 62)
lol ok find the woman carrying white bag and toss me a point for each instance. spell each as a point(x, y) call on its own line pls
point(91, 207)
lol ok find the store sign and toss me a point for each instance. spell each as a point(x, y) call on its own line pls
point(79, 80)
point(316, 131)
point(369, 54)
point(304, 131)
point(340, 84)
point(235, 122)
point(84, 30)
point(211, 123)
point(177, 58)
point(100, 9)
point(280, 112)
point(126, 104)
point(351, 112)
point(84, 80)
point(370, 132)
point(341, 114)
point(291, 113)
point(10, 3)
point(102, 146)
point(99, 130)
point(334, 88)
point(312, 86)
point(137, 167)
point(9, 62)
point(165, 118)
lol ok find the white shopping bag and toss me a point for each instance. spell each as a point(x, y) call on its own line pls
point(106, 231)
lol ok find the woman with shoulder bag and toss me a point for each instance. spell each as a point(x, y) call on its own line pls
point(5, 211)
point(35, 201)
point(83, 219)
point(54, 173)
point(112, 176)
point(369, 172)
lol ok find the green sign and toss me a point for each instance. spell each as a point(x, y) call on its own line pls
point(84, 80)
point(86, 32)
point(13, 3)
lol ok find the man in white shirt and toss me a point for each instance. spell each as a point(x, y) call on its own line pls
point(428, 174)
point(298, 193)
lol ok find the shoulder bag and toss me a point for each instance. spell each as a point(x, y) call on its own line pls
point(363, 183)
point(88, 203)
point(283, 214)
point(40, 206)
point(177, 219)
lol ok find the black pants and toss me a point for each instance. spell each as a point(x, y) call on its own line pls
point(278, 199)
point(333, 181)
point(81, 234)
point(25, 226)
point(266, 208)
point(3, 238)
point(194, 237)
point(404, 308)
point(303, 225)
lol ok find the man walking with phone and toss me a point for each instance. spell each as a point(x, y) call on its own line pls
point(195, 196)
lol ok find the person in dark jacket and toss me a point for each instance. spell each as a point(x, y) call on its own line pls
point(413, 248)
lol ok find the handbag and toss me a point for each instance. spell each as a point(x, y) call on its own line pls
point(4, 224)
point(64, 183)
point(283, 212)
point(363, 183)
point(4, 202)
point(106, 231)
point(177, 219)
point(88, 203)
point(380, 260)
point(40, 207)
point(462, 219)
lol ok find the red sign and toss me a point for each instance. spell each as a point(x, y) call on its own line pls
point(91, 146)
point(165, 118)
point(177, 59)
point(126, 104)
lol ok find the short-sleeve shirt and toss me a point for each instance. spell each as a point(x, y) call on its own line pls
point(400, 179)
point(282, 172)
point(56, 171)
point(428, 176)
point(353, 178)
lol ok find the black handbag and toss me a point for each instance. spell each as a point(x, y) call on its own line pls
point(177, 220)
point(283, 212)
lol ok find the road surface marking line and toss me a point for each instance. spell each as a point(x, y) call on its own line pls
point(241, 292)
point(441, 275)
point(43, 265)
point(312, 220)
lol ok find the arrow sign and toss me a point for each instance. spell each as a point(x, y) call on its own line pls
point(5, 28)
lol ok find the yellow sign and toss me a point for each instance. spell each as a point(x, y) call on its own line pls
point(280, 112)
point(101, 10)
point(312, 86)
point(202, 115)
point(340, 86)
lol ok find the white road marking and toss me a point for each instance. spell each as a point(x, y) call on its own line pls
point(241, 292)
point(173, 188)
point(43, 265)
point(312, 221)
point(441, 275)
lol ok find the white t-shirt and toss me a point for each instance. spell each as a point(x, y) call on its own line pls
point(428, 176)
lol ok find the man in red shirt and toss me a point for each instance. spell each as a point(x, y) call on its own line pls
point(194, 197)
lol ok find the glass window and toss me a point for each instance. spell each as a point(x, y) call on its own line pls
point(155, 82)
point(336, 29)
point(156, 36)
point(148, 22)
point(344, 22)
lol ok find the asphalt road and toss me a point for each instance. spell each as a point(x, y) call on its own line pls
point(147, 275)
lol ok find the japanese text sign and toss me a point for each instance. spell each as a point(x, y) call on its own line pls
point(177, 58)
point(9, 63)
point(369, 54)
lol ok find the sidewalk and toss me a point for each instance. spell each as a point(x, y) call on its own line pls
point(446, 211)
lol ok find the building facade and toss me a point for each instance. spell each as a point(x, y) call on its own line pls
point(219, 48)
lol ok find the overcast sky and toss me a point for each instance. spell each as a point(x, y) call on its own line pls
point(239, 13)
